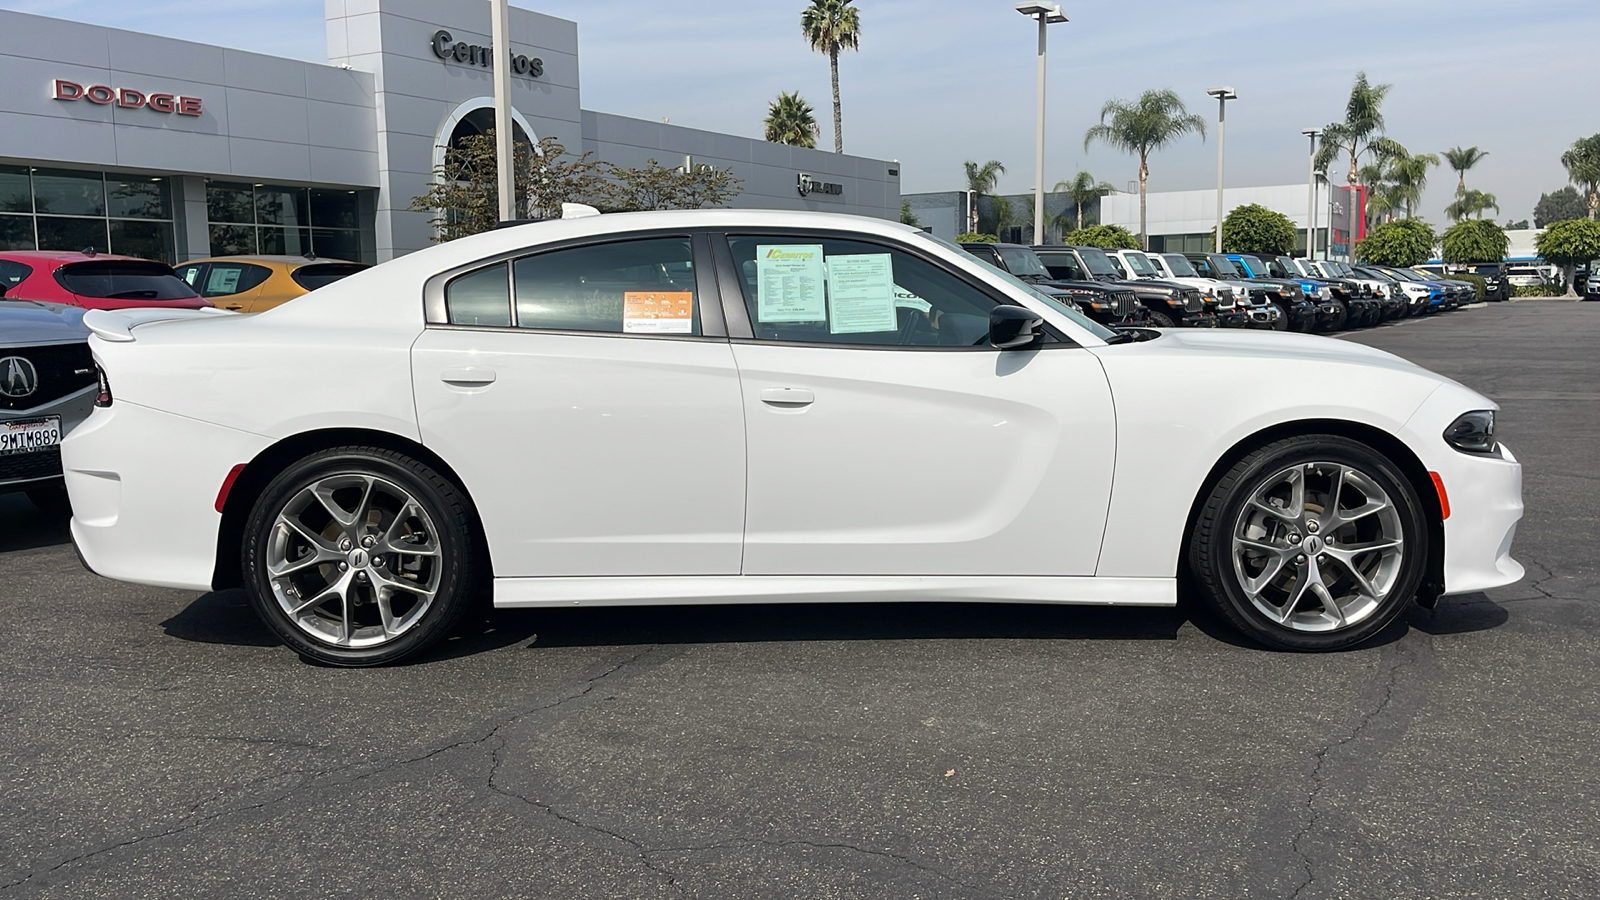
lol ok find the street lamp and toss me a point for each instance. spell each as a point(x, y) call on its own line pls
point(1047, 14)
point(1311, 193)
point(1223, 95)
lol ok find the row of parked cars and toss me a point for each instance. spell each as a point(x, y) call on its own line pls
point(47, 377)
point(1229, 290)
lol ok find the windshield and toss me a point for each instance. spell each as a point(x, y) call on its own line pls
point(1492, 269)
point(1141, 264)
point(1097, 261)
point(1256, 265)
point(1299, 265)
point(1022, 261)
point(1224, 266)
point(1065, 309)
point(1179, 265)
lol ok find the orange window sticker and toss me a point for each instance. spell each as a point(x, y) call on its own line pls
point(658, 312)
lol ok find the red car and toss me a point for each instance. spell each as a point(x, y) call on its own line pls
point(93, 281)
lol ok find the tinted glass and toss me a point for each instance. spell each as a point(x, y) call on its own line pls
point(1224, 266)
point(1141, 264)
point(1097, 261)
point(12, 273)
point(480, 298)
point(227, 278)
point(137, 198)
point(627, 287)
point(285, 241)
point(1062, 265)
point(335, 209)
point(1179, 265)
point(192, 273)
point(1116, 263)
point(232, 240)
point(16, 195)
point(1488, 271)
point(66, 193)
point(72, 234)
point(114, 279)
point(228, 202)
point(16, 233)
point(146, 240)
point(313, 277)
point(330, 243)
point(1022, 261)
point(283, 206)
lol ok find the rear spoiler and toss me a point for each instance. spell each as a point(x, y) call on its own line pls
point(117, 324)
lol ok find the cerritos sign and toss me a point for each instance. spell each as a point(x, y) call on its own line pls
point(447, 48)
point(127, 98)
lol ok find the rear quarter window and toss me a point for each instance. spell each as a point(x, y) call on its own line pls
point(12, 273)
point(123, 279)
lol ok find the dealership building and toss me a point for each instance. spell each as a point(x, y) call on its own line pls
point(144, 145)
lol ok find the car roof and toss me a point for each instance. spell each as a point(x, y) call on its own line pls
point(281, 259)
point(61, 257)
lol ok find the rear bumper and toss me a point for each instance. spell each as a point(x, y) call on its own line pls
point(143, 498)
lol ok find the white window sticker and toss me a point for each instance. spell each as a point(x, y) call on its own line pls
point(223, 280)
point(861, 293)
point(789, 283)
point(657, 312)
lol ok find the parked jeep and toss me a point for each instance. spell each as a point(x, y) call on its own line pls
point(1496, 286)
point(1168, 304)
point(1256, 307)
point(1301, 312)
point(1220, 299)
point(1103, 303)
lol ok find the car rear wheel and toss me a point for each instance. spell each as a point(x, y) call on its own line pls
point(1310, 543)
point(359, 556)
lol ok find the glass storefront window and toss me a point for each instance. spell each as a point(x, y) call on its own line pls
point(146, 240)
point(337, 243)
point(285, 241)
point(16, 232)
point(63, 193)
point(16, 195)
point(232, 240)
point(335, 209)
point(227, 202)
point(138, 198)
point(282, 206)
point(61, 233)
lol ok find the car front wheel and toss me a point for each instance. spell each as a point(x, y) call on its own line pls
point(1310, 543)
point(359, 556)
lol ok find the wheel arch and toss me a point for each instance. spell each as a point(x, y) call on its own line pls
point(266, 465)
point(1387, 444)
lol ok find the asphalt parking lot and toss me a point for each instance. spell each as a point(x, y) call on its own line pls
point(160, 743)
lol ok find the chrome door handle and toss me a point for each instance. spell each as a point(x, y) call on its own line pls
point(471, 376)
point(787, 397)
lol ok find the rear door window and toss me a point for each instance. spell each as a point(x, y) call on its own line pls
point(321, 274)
point(123, 279)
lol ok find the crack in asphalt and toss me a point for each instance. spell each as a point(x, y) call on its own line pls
point(820, 845)
point(1392, 677)
point(319, 780)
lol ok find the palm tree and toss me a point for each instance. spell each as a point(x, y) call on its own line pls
point(1083, 189)
point(1159, 118)
point(831, 26)
point(1583, 167)
point(1360, 132)
point(790, 120)
point(1471, 203)
point(1410, 175)
point(1461, 159)
point(981, 180)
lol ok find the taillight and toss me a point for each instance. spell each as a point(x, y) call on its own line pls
point(103, 398)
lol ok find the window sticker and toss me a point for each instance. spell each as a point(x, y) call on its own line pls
point(789, 283)
point(657, 312)
point(861, 293)
point(223, 280)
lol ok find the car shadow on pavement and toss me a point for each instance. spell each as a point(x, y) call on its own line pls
point(24, 526)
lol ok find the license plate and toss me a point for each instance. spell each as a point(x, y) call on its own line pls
point(29, 436)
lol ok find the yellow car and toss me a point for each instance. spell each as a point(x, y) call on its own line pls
point(256, 283)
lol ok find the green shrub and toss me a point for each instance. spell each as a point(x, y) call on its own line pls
point(1537, 290)
point(1252, 228)
point(1106, 237)
point(1480, 283)
point(972, 237)
point(1403, 242)
point(1474, 241)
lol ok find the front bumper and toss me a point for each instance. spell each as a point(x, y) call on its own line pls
point(42, 468)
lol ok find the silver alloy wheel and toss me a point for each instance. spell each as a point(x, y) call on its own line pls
point(1318, 547)
point(354, 560)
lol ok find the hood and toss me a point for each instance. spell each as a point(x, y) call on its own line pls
point(31, 322)
point(1285, 348)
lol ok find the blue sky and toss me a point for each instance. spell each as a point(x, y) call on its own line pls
point(937, 82)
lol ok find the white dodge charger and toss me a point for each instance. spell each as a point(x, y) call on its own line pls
point(732, 406)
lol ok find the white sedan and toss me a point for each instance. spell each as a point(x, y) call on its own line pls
point(734, 406)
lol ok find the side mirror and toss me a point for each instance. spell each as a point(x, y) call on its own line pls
point(1014, 328)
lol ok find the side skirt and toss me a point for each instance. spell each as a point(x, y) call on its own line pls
point(689, 590)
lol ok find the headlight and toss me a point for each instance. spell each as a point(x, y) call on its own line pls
point(1473, 432)
point(1324, 292)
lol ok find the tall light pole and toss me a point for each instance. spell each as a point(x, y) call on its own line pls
point(500, 14)
point(1048, 14)
point(1223, 95)
point(1311, 193)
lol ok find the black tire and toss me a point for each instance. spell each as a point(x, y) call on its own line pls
point(52, 501)
point(453, 525)
point(1210, 551)
point(1282, 324)
point(1161, 320)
